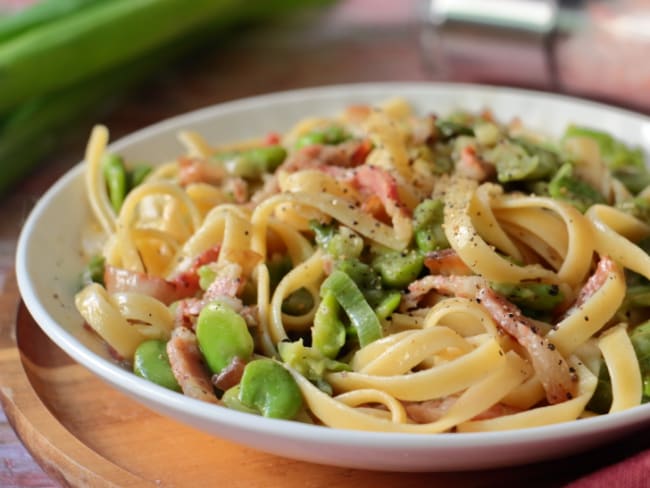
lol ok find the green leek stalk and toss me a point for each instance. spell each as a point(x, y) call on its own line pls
point(62, 61)
point(40, 13)
point(91, 40)
point(348, 295)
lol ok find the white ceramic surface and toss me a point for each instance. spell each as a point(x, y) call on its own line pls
point(48, 266)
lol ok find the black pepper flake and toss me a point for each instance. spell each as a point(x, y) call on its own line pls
point(586, 317)
point(551, 346)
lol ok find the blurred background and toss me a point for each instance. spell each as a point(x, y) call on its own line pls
point(68, 64)
point(65, 64)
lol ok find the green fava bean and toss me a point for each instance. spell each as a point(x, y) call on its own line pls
point(222, 335)
point(329, 135)
point(269, 388)
point(116, 180)
point(231, 400)
point(397, 269)
point(253, 163)
point(151, 363)
point(328, 333)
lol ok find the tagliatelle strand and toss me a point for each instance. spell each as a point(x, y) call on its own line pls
point(624, 372)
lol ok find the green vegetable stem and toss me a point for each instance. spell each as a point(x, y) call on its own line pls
point(104, 34)
point(39, 14)
point(64, 62)
point(347, 293)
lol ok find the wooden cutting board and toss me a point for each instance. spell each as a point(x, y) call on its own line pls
point(85, 433)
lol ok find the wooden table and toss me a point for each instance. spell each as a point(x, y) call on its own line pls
point(355, 41)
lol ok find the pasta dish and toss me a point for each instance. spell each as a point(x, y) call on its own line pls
point(380, 269)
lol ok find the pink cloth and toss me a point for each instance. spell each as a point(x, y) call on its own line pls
point(633, 472)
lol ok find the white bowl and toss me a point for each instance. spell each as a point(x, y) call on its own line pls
point(48, 266)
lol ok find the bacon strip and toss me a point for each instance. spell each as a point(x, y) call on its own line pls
point(432, 410)
point(472, 166)
point(230, 375)
point(187, 366)
point(199, 170)
point(190, 277)
point(225, 287)
point(345, 155)
point(606, 266)
point(123, 280)
point(458, 286)
point(184, 285)
point(375, 181)
point(446, 262)
point(557, 378)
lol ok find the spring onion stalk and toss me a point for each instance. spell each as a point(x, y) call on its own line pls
point(63, 62)
point(348, 295)
point(39, 14)
point(104, 35)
